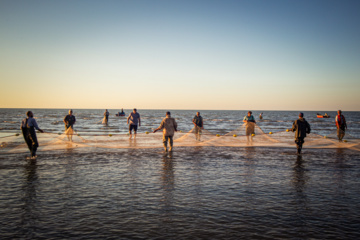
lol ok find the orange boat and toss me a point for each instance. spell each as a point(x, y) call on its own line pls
point(322, 116)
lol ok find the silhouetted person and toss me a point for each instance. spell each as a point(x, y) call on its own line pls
point(340, 125)
point(69, 121)
point(28, 127)
point(199, 125)
point(301, 127)
point(106, 117)
point(25, 131)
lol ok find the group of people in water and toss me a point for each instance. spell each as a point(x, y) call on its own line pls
point(169, 126)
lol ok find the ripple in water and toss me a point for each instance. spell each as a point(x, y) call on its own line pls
point(193, 193)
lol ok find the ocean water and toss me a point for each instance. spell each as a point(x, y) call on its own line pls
point(195, 192)
point(217, 122)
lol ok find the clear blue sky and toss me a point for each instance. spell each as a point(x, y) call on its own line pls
point(256, 55)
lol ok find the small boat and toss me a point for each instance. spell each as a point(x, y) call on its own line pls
point(322, 116)
point(120, 114)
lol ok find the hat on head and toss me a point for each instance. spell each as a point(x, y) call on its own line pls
point(301, 114)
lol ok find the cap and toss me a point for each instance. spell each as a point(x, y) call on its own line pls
point(301, 114)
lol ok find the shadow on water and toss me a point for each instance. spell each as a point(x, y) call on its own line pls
point(167, 187)
point(300, 201)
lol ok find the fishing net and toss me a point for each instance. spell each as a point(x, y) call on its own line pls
point(247, 135)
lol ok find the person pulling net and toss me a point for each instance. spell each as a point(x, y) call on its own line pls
point(250, 122)
point(239, 137)
point(69, 121)
point(106, 117)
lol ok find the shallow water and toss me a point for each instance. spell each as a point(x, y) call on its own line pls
point(193, 193)
point(94, 191)
point(217, 122)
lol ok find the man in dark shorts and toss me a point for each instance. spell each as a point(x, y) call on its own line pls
point(301, 127)
point(69, 121)
point(198, 125)
point(29, 133)
point(134, 120)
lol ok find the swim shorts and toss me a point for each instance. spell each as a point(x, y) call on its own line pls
point(131, 127)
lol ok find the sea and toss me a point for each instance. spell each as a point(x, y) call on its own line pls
point(195, 192)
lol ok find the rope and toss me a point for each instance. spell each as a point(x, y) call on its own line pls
point(17, 135)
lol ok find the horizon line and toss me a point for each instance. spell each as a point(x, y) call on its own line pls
point(185, 109)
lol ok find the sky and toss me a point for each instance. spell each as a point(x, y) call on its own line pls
point(205, 55)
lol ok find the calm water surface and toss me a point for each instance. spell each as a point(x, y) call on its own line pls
point(194, 193)
point(217, 122)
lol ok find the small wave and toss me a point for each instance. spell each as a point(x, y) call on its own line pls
point(13, 122)
point(56, 123)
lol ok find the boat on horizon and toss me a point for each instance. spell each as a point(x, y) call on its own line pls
point(322, 116)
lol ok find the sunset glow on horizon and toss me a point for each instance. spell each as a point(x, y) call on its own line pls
point(209, 55)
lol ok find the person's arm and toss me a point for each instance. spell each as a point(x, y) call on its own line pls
point(194, 122)
point(127, 122)
point(308, 129)
point(245, 120)
point(175, 125)
point(65, 121)
point(22, 124)
point(160, 127)
point(139, 121)
point(336, 121)
point(293, 127)
point(156, 130)
point(345, 123)
point(34, 123)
